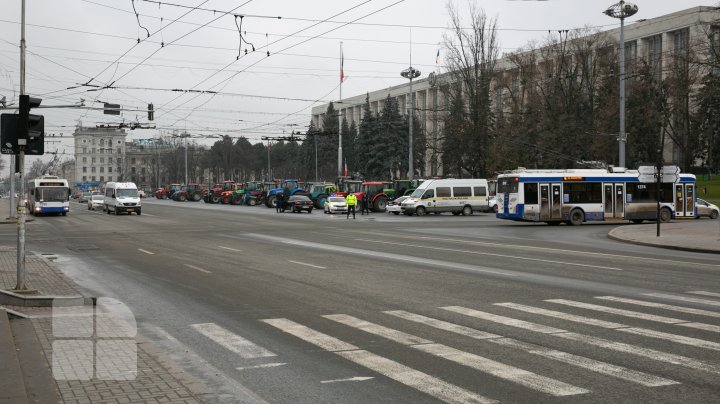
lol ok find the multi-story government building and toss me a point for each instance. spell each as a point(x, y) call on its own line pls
point(655, 42)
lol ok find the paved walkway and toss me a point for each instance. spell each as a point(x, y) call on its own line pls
point(152, 377)
point(701, 235)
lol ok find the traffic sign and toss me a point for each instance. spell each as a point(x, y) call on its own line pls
point(668, 174)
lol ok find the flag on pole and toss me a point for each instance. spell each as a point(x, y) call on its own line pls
point(342, 62)
point(345, 172)
point(437, 57)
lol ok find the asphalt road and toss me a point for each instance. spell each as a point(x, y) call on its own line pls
point(308, 308)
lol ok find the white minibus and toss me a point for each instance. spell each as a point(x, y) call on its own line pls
point(459, 196)
point(121, 197)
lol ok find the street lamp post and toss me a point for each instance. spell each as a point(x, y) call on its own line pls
point(622, 10)
point(411, 73)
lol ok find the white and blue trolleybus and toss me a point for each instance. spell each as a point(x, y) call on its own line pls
point(575, 196)
point(49, 194)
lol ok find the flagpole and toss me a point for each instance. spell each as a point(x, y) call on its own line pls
point(340, 153)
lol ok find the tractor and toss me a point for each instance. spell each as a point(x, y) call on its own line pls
point(287, 188)
point(190, 192)
point(168, 191)
point(347, 185)
point(214, 195)
point(402, 188)
point(319, 192)
point(254, 193)
point(375, 190)
point(233, 196)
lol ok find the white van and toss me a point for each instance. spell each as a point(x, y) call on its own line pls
point(451, 195)
point(121, 197)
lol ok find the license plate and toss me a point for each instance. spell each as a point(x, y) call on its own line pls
point(130, 210)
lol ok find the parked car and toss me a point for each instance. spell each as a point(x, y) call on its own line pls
point(492, 204)
point(394, 206)
point(335, 204)
point(707, 209)
point(298, 203)
point(84, 197)
point(96, 200)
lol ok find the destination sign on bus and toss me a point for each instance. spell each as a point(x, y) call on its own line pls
point(573, 178)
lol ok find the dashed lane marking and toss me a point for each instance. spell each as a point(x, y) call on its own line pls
point(198, 268)
point(146, 251)
point(306, 264)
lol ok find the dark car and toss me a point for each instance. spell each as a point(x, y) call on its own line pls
point(298, 203)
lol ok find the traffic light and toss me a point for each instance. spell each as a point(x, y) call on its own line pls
point(151, 112)
point(23, 131)
point(36, 135)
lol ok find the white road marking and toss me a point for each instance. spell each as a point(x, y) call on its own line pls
point(489, 254)
point(198, 268)
point(146, 251)
point(262, 366)
point(410, 377)
point(503, 320)
point(526, 247)
point(645, 303)
point(349, 379)
point(603, 343)
point(324, 341)
point(700, 343)
point(148, 214)
point(637, 314)
point(619, 312)
point(376, 329)
point(563, 316)
point(442, 325)
point(232, 341)
point(306, 264)
point(683, 298)
point(704, 293)
point(380, 254)
point(229, 248)
point(592, 365)
point(497, 369)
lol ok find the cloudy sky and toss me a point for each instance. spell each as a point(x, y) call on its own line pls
point(77, 47)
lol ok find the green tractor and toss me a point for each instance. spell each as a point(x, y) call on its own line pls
point(402, 188)
point(319, 192)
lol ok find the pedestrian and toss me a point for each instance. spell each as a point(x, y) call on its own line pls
point(351, 201)
point(279, 203)
point(365, 205)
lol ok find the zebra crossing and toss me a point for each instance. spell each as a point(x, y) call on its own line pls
point(588, 352)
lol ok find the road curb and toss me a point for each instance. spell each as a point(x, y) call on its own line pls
point(665, 246)
point(16, 299)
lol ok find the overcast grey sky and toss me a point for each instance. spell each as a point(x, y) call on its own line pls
point(70, 42)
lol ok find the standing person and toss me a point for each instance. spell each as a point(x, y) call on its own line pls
point(365, 204)
point(279, 203)
point(351, 201)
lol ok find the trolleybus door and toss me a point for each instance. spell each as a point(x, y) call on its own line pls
point(556, 205)
point(685, 200)
point(614, 198)
point(544, 201)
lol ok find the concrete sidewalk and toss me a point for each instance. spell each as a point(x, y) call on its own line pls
point(701, 235)
point(26, 347)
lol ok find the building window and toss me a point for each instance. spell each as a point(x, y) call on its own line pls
point(680, 44)
point(655, 56)
point(109, 169)
point(102, 178)
point(102, 143)
point(94, 150)
point(92, 169)
point(110, 178)
point(84, 140)
point(142, 170)
point(119, 142)
point(84, 150)
point(630, 56)
point(84, 159)
point(93, 160)
point(84, 178)
point(93, 178)
point(109, 160)
point(132, 170)
point(102, 169)
point(102, 160)
point(132, 161)
point(84, 169)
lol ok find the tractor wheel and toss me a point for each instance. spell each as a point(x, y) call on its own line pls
point(236, 200)
point(320, 200)
point(182, 198)
point(214, 199)
point(270, 202)
point(379, 204)
point(196, 196)
point(252, 201)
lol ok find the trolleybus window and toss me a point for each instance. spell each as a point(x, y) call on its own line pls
point(531, 193)
point(584, 192)
point(507, 186)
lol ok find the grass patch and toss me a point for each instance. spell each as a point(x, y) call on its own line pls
point(708, 188)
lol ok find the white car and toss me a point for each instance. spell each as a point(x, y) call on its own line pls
point(95, 200)
point(394, 206)
point(705, 208)
point(335, 204)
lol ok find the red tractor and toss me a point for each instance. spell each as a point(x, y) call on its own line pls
point(214, 195)
point(191, 192)
point(168, 191)
point(375, 190)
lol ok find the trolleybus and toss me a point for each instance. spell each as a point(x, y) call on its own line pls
point(575, 196)
point(49, 194)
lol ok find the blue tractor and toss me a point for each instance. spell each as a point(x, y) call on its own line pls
point(287, 188)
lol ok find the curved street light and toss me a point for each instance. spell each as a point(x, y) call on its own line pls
point(411, 73)
point(622, 10)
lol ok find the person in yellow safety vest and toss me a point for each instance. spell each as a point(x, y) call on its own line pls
point(351, 202)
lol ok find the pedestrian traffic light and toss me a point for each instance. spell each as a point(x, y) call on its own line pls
point(151, 112)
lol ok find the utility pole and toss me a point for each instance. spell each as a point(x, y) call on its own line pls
point(22, 142)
